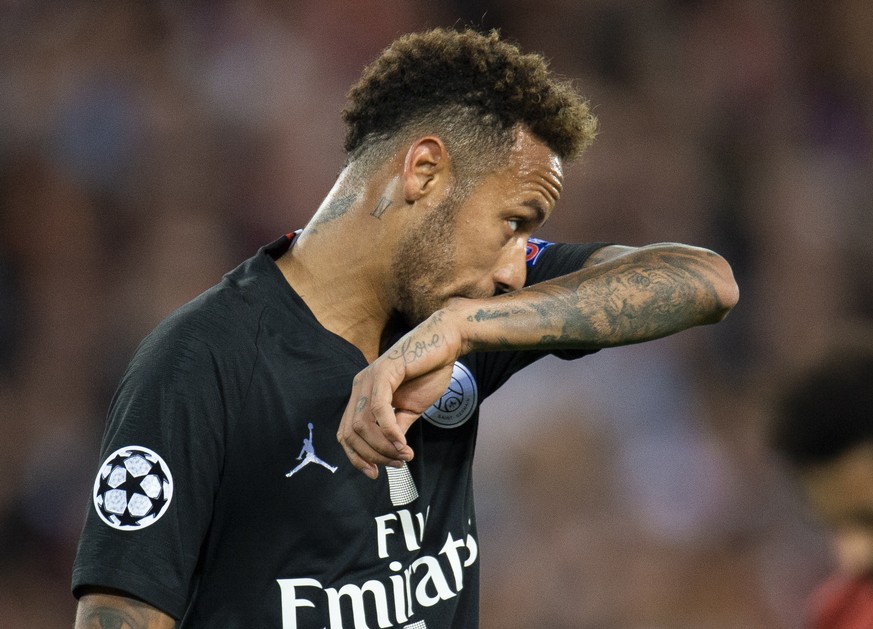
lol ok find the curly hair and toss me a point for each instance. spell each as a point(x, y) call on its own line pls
point(470, 88)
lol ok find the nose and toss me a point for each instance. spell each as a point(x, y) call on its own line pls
point(511, 270)
point(854, 550)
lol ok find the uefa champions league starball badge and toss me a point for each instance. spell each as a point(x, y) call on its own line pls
point(133, 488)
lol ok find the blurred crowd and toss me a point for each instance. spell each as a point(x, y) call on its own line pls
point(148, 147)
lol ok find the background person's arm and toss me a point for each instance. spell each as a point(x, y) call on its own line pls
point(622, 295)
point(115, 611)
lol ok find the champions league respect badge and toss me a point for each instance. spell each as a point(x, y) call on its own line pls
point(133, 488)
point(534, 249)
point(458, 403)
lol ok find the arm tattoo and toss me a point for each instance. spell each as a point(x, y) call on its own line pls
point(411, 349)
point(120, 613)
point(625, 304)
point(486, 315)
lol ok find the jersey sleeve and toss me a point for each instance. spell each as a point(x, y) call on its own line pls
point(545, 260)
point(161, 456)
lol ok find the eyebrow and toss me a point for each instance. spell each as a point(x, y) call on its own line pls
point(536, 207)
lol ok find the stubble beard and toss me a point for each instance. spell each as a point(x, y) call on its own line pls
point(423, 264)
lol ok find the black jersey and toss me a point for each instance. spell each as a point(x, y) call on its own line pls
point(225, 500)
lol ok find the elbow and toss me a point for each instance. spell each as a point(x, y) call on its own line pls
point(713, 277)
point(725, 290)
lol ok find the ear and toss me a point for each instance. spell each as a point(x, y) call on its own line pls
point(425, 168)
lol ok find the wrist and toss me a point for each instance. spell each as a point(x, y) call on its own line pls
point(458, 315)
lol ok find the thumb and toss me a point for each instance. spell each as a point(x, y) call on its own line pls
point(394, 425)
point(405, 418)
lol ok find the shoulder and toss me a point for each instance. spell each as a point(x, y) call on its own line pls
point(219, 327)
point(546, 259)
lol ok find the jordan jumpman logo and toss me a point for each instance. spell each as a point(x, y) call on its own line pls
point(307, 454)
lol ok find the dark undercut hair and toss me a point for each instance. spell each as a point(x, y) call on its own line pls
point(827, 411)
point(473, 90)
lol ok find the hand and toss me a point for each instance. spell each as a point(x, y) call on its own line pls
point(393, 391)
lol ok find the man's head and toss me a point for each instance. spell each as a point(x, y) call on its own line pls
point(473, 91)
point(824, 429)
point(481, 131)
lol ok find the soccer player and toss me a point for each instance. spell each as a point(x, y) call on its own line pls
point(824, 430)
point(293, 448)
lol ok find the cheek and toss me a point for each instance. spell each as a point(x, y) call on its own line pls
point(479, 263)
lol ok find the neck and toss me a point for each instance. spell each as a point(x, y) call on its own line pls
point(336, 268)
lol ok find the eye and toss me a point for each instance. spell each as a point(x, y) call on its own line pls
point(514, 224)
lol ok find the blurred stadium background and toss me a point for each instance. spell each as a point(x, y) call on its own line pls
point(147, 147)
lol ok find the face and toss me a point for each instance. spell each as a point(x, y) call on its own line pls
point(475, 246)
point(842, 493)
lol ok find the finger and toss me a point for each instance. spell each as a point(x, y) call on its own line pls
point(363, 438)
point(364, 458)
point(381, 435)
point(384, 415)
point(368, 430)
point(347, 438)
point(390, 431)
point(370, 470)
point(363, 419)
point(367, 441)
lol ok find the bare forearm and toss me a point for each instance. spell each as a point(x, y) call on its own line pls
point(624, 296)
point(645, 294)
